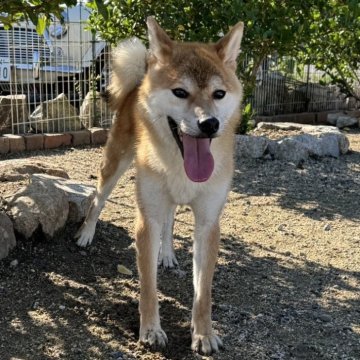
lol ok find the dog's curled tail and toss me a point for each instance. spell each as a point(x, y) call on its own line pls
point(128, 70)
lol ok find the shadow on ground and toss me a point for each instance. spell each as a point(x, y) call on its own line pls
point(64, 302)
point(319, 189)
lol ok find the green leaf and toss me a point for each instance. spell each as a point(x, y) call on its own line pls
point(41, 24)
point(103, 10)
point(124, 270)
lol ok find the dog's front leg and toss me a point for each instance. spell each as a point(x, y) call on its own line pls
point(167, 258)
point(206, 246)
point(148, 232)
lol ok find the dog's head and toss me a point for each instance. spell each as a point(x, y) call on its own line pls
point(191, 89)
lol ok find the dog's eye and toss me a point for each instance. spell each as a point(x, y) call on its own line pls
point(218, 94)
point(180, 93)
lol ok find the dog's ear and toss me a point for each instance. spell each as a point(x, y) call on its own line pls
point(160, 43)
point(228, 47)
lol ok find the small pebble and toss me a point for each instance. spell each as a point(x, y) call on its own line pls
point(35, 305)
point(324, 317)
point(327, 227)
point(117, 355)
point(134, 301)
point(180, 273)
point(61, 307)
point(83, 253)
point(14, 263)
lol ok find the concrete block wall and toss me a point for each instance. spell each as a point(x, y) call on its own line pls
point(28, 142)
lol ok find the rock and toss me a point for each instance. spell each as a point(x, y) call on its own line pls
point(272, 148)
point(344, 144)
point(7, 235)
point(291, 150)
point(117, 355)
point(324, 317)
point(14, 263)
point(327, 227)
point(92, 115)
point(323, 145)
point(279, 126)
point(79, 195)
point(311, 143)
point(342, 120)
point(346, 121)
point(330, 145)
point(38, 205)
point(333, 117)
point(56, 115)
point(331, 132)
point(16, 170)
point(251, 146)
point(317, 141)
point(13, 106)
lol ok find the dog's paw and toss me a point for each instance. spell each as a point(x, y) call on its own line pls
point(85, 235)
point(155, 338)
point(206, 344)
point(167, 260)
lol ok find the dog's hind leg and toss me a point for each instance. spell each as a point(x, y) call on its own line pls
point(118, 156)
point(167, 258)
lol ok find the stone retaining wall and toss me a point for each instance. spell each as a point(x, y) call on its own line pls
point(14, 143)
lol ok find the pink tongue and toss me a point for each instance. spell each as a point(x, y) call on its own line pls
point(198, 161)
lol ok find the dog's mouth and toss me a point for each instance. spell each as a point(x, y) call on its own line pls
point(198, 160)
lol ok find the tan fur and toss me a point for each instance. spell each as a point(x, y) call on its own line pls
point(141, 93)
point(202, 304)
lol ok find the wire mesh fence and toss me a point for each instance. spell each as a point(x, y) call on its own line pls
point(52, 83)
point(284, 87)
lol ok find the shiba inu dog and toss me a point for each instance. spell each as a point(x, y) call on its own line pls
point(177, 106)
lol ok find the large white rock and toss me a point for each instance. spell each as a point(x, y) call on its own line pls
point(19, 169)
point(251, 146)
point(56, 115)
point(7, 235)
point(346, 121)
point(342, 120)
point(94, 110)
point(333, 117)
point(315, 141)
point(13, 114)
point(291, 150)
point(48, 202)
point(79, 195)
point(39, 205)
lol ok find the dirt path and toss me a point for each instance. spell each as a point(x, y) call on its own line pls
point(286, 286)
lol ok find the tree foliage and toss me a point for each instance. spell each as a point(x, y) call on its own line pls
point(271, 26)
point(38, 11)
point(334, 46)
point(323, 32)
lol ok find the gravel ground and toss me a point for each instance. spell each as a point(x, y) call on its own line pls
point(286, 285)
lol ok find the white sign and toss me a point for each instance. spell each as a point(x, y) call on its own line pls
point(5, 70)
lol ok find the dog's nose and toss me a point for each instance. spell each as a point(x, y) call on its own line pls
point(209, 126)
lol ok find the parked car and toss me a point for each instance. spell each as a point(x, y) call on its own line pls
point(66, 58)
